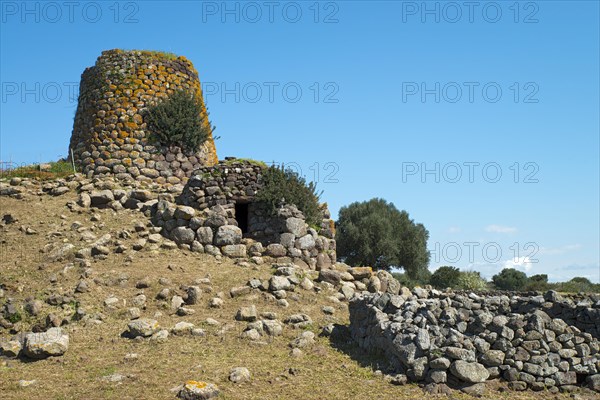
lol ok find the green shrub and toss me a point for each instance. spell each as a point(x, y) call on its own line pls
point(445, 277)
point(14, 318)
point(375, 233)
point(471, 280)
point(281, 185)
point(576, 285)
point(510, 279)
point(538, 283)
point(421, 279)
point(178, 121)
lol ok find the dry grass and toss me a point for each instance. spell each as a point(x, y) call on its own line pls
point(324, 371)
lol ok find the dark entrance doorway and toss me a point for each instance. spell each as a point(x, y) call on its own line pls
point(241, 216)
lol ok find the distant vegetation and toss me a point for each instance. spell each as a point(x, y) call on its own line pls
point(375, 233)
point(508, 279)
point(44, 171)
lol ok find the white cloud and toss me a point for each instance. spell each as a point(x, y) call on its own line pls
point(523, 263)
point(500, 229)
point(454, 229)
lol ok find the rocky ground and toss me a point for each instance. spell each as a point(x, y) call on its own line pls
point(126, 314)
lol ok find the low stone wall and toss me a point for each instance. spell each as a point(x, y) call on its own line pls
point(228, 182)
point(463, 340)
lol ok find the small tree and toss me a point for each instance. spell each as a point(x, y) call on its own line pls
point(471, 280)
point(420, 279)
point(445, 277)
point(281, 185)
point(178, 121)
point(377, 234)
point(538, 282)
point(578, 284)
point(510, 279)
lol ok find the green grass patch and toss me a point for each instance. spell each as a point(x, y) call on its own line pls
point(246, 160)
point(44, 171)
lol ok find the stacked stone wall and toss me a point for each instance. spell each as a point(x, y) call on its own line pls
point(464, 340)
point(109, 134)
point(208, 202)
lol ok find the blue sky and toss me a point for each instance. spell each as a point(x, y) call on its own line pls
point(482, 122)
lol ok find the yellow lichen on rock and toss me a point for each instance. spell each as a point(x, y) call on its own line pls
point(197, 384)
point(114, 93)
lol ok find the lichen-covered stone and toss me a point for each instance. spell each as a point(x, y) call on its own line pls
point(197, 390)
point(227, 235)
point(469, 371)
point(142, 327)
point(109, 133)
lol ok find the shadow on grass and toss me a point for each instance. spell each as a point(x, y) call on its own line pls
point(341, 340)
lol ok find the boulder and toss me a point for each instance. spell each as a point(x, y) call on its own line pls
point(295, 226)
point(228, 234)
point(234, 250)
point(471, 372)
point(306, 242)
point(144, 327)
point(204, 234)
point(248, 314)
point(198, 390)
point(10, 348)
point(239, 375)
point(101, 198)
point(51, 343)
point(279, 283)
point(276, 250)
point(183, 235)
point(330, 276)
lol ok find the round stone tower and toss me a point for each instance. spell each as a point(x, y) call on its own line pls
point(109, 133)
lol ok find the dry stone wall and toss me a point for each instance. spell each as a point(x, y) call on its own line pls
point(109, 133)
point(463, 340)
point(207, 217)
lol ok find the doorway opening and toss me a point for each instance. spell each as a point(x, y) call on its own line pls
point(241, 216)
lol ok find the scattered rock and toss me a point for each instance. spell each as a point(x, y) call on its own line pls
point(279, 283)
point(182, 328)
point(160, 337)
point(305, 339)
point(51, 343)
point(247, 314)
point(10, 348)
point(239, 375)
point(197, 390)
point(216, 302)
point(143, 327)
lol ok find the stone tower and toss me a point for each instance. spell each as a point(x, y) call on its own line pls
point(109, 133)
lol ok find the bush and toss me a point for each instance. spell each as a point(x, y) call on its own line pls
point(510, 279)
point(285, 186)
point(578, 284)
point(375, 233)
point(471, 280)
point(445, 277)
point(538, 283)
point(421, 279)
point(178, 121)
